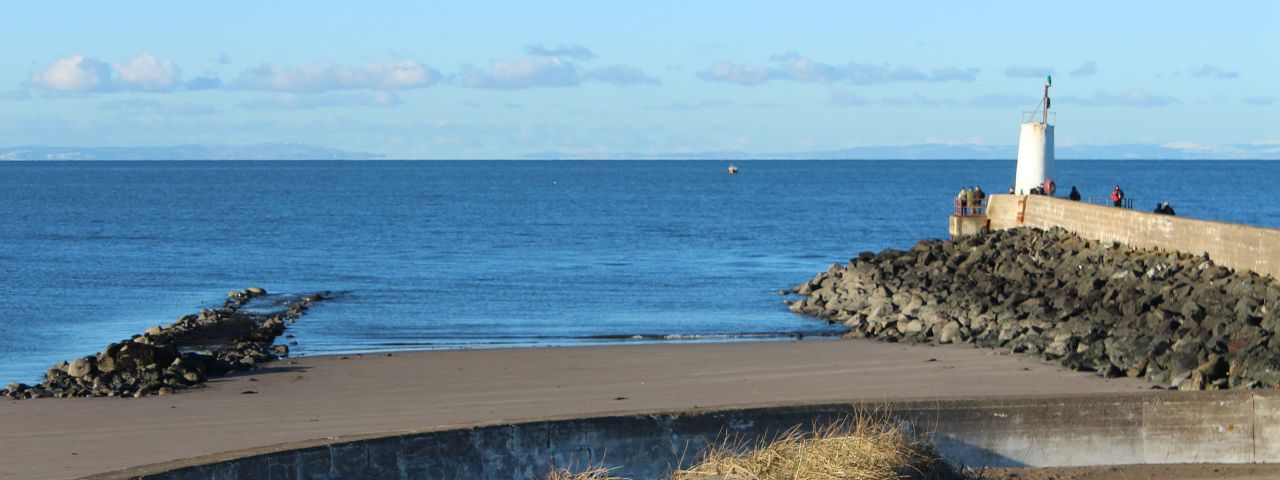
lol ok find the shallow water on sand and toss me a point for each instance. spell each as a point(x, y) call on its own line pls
point(483, 254)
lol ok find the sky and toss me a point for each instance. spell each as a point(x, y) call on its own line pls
point(484, 79)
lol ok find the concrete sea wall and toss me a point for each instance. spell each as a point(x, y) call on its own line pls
point(1146, 427)
point(1241, 247)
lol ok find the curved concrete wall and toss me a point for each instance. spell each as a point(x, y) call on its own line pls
point(1149, 427)
point(1241, 247)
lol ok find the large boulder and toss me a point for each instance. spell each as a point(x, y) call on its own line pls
point(950, 333)
point(82, 366)
point(137, 356)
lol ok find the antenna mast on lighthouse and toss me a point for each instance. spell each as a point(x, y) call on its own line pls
point(1048, 82)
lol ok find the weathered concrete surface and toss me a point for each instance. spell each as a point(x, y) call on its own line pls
point(1165, 471)
point(1241, 247)
point(967, 225)
point(1105, 429)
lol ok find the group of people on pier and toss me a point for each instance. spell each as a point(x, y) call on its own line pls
point(971, 198)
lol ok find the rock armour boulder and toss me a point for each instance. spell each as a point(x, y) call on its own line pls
point(1175, 319)
point(186, 353)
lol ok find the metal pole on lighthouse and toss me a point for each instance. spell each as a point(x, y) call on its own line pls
point(1035, 148)
point(1048, 82)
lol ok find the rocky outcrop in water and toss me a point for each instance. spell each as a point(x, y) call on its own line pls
point(236, 337)
point(1175, 319)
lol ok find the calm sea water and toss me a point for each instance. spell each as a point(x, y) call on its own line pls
point(483, 254)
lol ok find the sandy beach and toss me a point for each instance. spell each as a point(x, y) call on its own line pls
point(319, 397)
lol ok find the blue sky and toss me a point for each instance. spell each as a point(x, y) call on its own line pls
point(504, 79)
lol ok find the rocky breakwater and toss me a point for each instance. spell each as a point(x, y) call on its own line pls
point(236, 337)
point(1175, 319)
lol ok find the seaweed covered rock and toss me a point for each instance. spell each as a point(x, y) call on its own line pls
point(1175, 319)
point(238, 336)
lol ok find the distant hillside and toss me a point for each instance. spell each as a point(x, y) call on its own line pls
point(261, 151)
point(944, 151)
point(924, 151)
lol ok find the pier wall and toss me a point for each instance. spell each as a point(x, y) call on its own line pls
point(1241, 247)
point(1236, 426)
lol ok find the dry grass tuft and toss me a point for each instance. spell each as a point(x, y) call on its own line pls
point(593, 473)
point(857, 449)
point(860, 448)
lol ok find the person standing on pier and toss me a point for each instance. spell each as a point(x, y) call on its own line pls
point(1117, 196)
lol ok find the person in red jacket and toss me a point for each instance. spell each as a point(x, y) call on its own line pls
point(1117, 196)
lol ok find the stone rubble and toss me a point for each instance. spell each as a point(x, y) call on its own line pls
point(184, 354)
point(1175, 319)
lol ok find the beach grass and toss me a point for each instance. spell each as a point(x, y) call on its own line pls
point(859, 448)
point(592, 473)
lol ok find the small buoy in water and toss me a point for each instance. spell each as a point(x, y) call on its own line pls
point(733, 169)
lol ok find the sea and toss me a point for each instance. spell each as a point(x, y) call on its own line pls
point(485, 254)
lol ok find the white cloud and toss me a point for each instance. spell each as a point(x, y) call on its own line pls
point(526, 73)
point(741, 74)
point(1259, 101)
point(146, 73)
point(794, 67)
point(1210, 71)
point(870, 74)
point(1085, 69)
point(78, 73)
point(548, 71)
point(576, 52)
point(954, 73)
point(327, 77)
point(203, 82)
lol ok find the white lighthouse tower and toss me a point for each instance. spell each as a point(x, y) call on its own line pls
point(1035, 147)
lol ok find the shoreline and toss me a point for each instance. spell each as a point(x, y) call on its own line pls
point(317, 397)
point(619, 340)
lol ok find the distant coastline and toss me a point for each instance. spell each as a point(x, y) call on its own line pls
point(926, 151)
point(260, 151)
point(957, 151)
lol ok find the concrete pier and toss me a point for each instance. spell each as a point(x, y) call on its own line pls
point(1241, 247)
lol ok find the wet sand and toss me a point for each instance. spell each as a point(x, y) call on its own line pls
point(318, 397)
